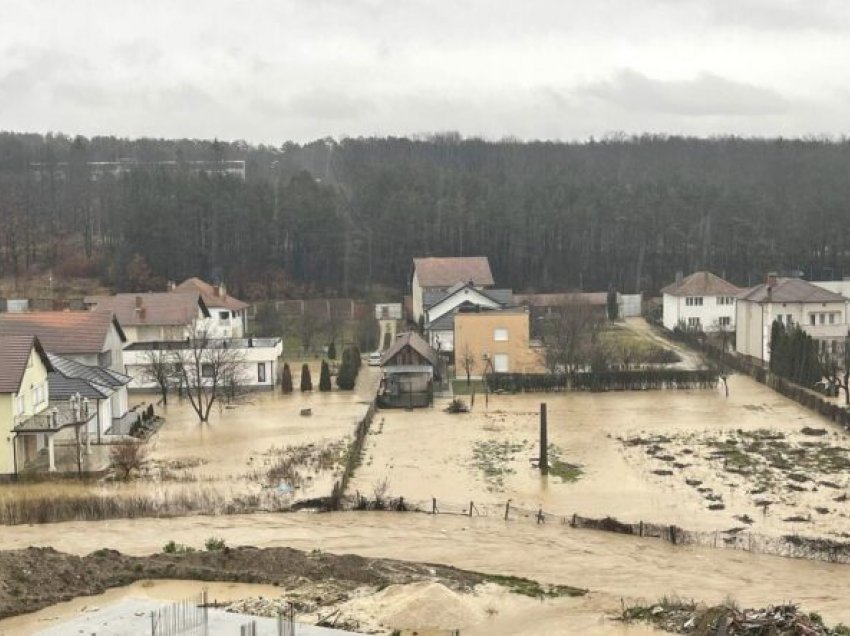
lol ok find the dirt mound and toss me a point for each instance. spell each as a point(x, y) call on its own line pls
point(38, 577)
point(426, 605)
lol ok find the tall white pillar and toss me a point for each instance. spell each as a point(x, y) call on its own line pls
point(51, 456)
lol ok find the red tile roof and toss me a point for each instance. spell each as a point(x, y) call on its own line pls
point(446, 271)
point(14, 355)
point(211, 295)
point(152, 308)
point(63, 332)
point(701, 284)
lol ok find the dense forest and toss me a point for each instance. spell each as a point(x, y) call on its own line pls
point(346, 217)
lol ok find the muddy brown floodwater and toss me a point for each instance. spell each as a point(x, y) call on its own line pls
point(485, 456)
point(611, 566)
point(229, 457)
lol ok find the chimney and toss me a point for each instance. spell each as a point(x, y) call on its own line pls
point(171, 286)
point(221, 290)
point(678, 275)
point(771, 280)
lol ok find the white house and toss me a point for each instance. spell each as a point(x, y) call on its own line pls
point(257, 365)
point(228, 315)
point(441, 307)
point(701, 301)
point(821, 313)
point(438, 274)
point(389, 317)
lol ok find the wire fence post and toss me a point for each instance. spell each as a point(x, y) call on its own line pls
point(507, 508)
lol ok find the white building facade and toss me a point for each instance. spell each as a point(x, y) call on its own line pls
point(700, 302)
point(819, 312)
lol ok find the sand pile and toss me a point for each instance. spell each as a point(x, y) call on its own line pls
point(423, 605)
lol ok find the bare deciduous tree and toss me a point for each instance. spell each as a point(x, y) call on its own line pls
point(159, 369)
point(467, 363)
point(127, 456)
point(208, 368)
point(569, 337)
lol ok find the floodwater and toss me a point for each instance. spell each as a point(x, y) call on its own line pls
point(430, 453)
point(159, 590)
point(612, 567)
point(228, 456)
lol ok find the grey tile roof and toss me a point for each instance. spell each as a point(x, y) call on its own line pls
point(62, 388)
point(790, 290)
point(414, 341)
point(98, 375)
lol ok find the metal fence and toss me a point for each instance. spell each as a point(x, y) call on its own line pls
point(188, 617)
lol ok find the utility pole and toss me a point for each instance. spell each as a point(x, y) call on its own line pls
point(544, 441)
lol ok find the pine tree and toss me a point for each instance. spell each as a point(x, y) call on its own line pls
point(348, 370)
point(306, 380)
point(286, 379)
point(325, 377)
point(332, 351)
point(611, 305)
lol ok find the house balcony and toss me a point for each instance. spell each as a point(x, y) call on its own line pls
point(826, 332)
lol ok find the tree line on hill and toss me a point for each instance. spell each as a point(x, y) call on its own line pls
point(346, 217)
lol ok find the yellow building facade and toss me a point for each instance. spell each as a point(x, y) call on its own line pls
point(29, 398)
point(495, 341)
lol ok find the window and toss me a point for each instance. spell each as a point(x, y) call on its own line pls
point(20, 405)
point(693, 301)
point(224, 315)
point(39, 395)
point(812, 318)
point(822, 319)
point(724, 321)
point(500, 362)
point(725, 300)
point(385, 312)
point(832, 319)
point(207, 370)
point(500, 335)
point(261, 372)
point(693, 323)
point(104, 359)
point(788, 320)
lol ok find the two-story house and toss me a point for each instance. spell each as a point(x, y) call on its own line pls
point(441, 307)
point(23, 395)
point(494, 341)
point(792, 301)
point(154, 316)
point(228, 315)
point(438, 274)
point(701, 302)
point(92, 340)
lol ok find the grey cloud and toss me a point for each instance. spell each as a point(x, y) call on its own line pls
point(705, 95)
point(321, 103)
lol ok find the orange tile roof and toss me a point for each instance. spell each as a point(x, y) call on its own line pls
point(210, 294)
point(446, 271)
point(152, 308)
point(63, 332)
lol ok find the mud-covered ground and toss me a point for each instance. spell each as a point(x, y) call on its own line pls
point(34, 578)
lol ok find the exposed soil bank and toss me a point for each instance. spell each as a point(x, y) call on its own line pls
point(34, 578)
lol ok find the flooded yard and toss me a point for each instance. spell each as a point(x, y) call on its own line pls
point(260, 453)
point(488, 456)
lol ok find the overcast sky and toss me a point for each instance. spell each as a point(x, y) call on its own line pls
point(274, 70)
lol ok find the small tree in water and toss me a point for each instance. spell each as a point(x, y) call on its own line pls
point(286, 379)
point(306, 380)
point(325, 377)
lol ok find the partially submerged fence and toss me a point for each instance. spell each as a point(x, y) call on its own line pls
point(760, 373)
point(789, 545)
point(597, 381)
point(353, 457)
